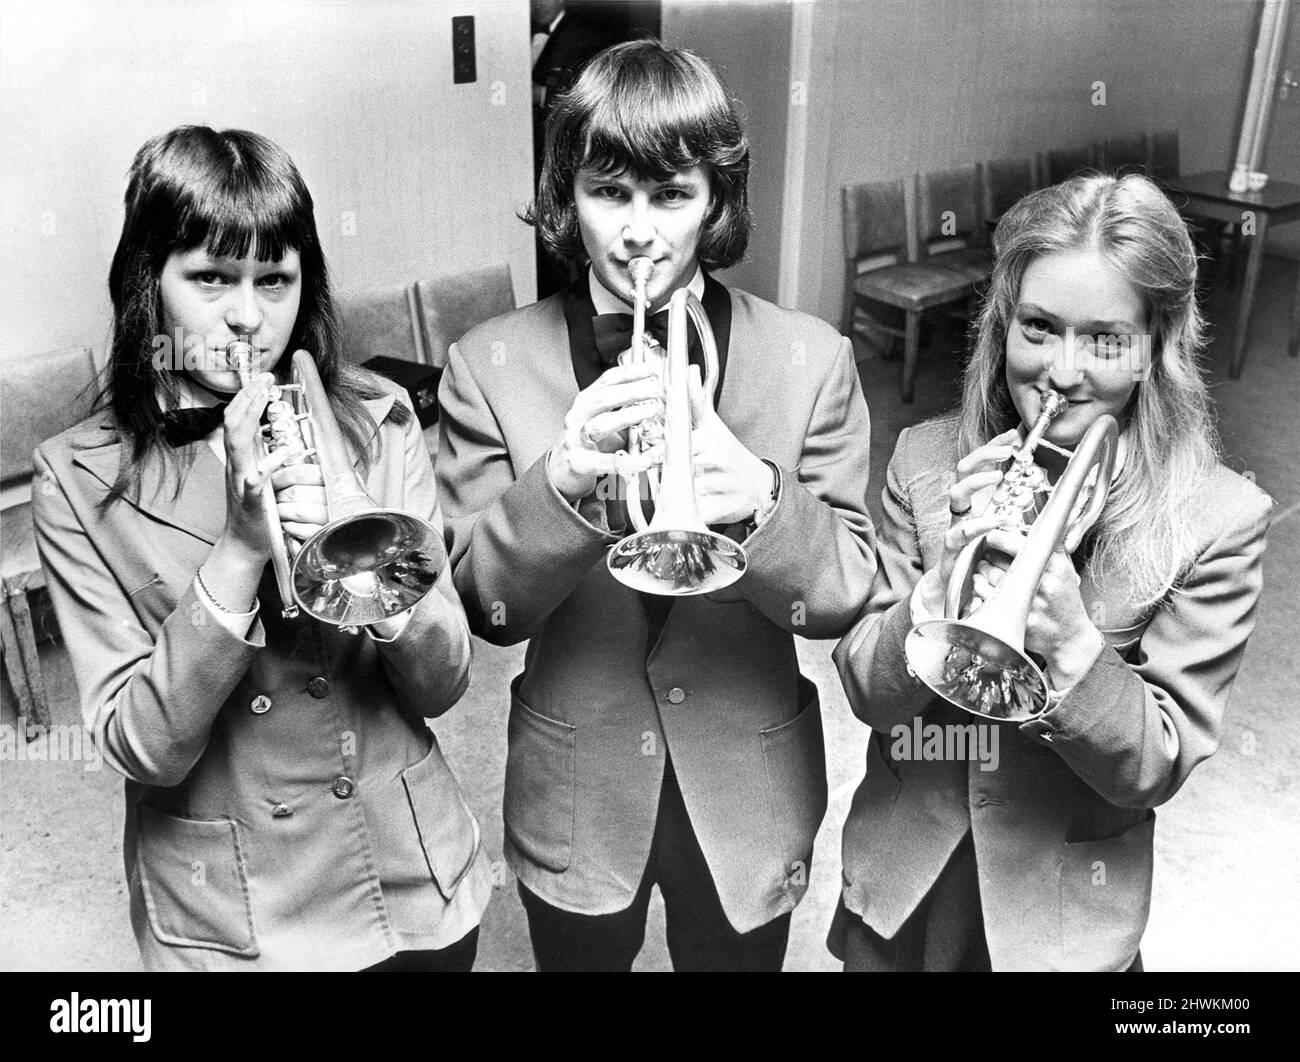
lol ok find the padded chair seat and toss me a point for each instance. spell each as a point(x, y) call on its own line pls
point(975, 263)
point(20, 564)
point(911, 287)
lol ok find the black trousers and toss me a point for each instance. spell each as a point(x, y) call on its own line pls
point(455, 958)
point(699, 935)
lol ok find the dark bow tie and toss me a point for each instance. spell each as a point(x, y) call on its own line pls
point(182, 426)
point(614, 332)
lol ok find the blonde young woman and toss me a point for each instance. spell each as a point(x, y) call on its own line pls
point(1045, 861)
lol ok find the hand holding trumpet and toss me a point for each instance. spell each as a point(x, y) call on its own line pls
point(729, 479)
point(1059, 628)
point(976, 474)
point(299, 488)
point(594, 441)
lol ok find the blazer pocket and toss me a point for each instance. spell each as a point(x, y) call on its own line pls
point(538, 801)
point(1106, 898)
point(449, 833)
point(195, 882)
point(794, 759)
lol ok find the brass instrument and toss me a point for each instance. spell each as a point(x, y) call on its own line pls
point(978, 661)
point(368, 563)
point(674, 554)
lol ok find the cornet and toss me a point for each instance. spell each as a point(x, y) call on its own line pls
point(674, 554)
point(367, 563)
point(978, 661)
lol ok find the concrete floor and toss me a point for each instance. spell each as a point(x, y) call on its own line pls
point(1227, 851)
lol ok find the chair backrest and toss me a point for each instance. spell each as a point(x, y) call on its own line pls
point(948, 210)
point(1062, 163)
point(40, 395)
point(879, 229)
point(1163, 161)
point(449, 306)
point(1004, 182)
point(1127, 154)
point(381, 322)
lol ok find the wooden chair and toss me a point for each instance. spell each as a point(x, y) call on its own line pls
point(380, 323)
point(951, 225)
point(881, 265)
point(1062, 163)
point(41, 395)
point(449, 306)
point(1122, 155)
point(1003, 183)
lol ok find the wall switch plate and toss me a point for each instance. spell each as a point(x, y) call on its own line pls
point(464, 67)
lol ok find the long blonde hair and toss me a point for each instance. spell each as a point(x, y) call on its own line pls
point(1143, 535)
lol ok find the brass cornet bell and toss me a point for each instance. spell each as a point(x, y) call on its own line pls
point(978, 661)
point(675, 554)
point(368, 563)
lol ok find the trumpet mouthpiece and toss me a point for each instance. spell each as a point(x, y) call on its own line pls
point(640, 268)
point(239, 354)
point(1052, 404)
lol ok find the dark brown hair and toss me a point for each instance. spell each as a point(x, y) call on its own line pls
point(650, 111)
point(233, 191)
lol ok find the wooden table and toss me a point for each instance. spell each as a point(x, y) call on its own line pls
point(1206, 195)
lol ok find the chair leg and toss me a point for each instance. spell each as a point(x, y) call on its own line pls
point(22, 662)
point(911, 344)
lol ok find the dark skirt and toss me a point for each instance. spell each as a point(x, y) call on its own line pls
point(945, 932)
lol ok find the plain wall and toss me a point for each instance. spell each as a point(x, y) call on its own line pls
point(412, 175)
point(915, 85)
point(749, 44)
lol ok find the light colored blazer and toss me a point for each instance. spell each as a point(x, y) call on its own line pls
point(286, 804)
point(1063, 827)
point(597, 705)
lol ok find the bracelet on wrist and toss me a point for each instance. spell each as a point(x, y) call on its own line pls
point(217, 603)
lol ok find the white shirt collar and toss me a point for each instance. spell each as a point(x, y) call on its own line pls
point(605, 301)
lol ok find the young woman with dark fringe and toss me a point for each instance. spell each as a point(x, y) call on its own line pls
point(286, 804)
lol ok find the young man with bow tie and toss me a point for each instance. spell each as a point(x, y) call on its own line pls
point(655, 740)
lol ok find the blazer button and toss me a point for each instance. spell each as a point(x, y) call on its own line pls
point(319, 687)
point(261, 704)
point(281, 811)
point(676, 695)
point(343, 787)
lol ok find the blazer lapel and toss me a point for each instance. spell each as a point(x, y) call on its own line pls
point(752, 392)
point(378, 408)
point(199, 507)
point(538, 387)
